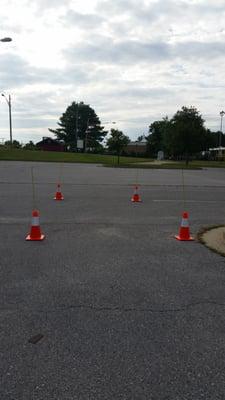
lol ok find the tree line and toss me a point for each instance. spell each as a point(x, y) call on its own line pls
point(182, 136)
point(179, 137)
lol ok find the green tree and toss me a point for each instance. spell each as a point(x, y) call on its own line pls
point(211, 139)
point(15, 144)
point(29, 146)
point(215, 139)
point(186, 134)
point(157, 132)
point(140, 138)
point(80, 121)
point(116, 142)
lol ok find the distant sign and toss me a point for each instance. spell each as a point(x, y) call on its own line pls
point(80, 144)
point(160, 155)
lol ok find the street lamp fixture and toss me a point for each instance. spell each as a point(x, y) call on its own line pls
point(6, 39)
point(8, 101)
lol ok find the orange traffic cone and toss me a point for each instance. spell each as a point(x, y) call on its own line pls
point(58, 195)
point(136, 198)
point(35, 231)
point(184, 232)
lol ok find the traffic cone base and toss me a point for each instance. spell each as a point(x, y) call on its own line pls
point(182, 239)
point(136, 197)
point(41, 237)
point(35, 230)
point(184, 232)
point(58, 195)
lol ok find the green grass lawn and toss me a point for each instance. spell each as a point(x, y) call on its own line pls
point(109, 161)
point(52, 156)
point(197, 164)
point(208, 164)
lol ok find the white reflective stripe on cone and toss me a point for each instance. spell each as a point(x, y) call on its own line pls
point(184, 222)
point(35, 221)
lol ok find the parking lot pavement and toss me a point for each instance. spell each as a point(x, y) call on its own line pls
point(125, 310)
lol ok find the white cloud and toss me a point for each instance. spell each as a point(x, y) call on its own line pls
point(133, 61)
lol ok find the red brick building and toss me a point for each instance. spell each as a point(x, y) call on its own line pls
point(136, 148)
point(50, 144)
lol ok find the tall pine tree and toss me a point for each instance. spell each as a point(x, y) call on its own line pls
point(80, 121)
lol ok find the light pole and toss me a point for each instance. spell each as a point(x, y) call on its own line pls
point(87, 132)
point(76, 131)
point(8, 101)
point(221, 131)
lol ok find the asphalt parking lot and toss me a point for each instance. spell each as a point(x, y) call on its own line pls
point(125, 310)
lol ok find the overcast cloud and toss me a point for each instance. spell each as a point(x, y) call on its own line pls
point(133, 61)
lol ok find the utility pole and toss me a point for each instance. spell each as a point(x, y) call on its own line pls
point(221, 132)
point(86, 136)
point(76, 132)
point(8, 101)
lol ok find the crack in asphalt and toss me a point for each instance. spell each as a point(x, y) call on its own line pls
point(121, 309)
point(147, 309)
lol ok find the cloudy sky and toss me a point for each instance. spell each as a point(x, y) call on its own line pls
point(133, 61)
